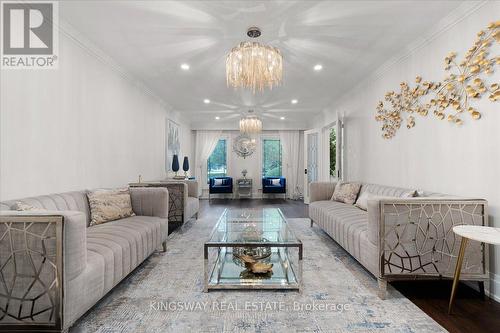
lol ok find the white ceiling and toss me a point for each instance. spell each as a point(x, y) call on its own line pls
point(151, 39)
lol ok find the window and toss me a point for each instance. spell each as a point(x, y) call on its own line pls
point(333, 152)
point(271, 158)
point(217, 162)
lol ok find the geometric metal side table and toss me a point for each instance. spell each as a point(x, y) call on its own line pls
point(488, 235)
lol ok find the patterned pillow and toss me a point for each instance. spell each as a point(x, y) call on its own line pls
point(109, 205)
point(218, 181)
point(275, 182)
point(21, 206)
point(346, 192)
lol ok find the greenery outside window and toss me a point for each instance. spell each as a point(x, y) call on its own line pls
point(217, 162)
point(271, 158)
point(333, 152)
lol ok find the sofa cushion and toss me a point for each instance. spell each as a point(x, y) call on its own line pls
point(138, 236)
point(346, 192)
point(342, 222)
point(109, 205)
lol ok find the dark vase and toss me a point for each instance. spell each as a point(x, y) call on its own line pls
point(185, 164)
point(175, 164)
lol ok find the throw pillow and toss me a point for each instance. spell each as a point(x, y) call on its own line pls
point(218, 182)
point(21, 206)
point(109, 205)
point(275, 182)
point(346, 192)
point(362, 202)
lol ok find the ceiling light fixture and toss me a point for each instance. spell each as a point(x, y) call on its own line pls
point(253, 65)
point(217, 118)
point(282, 118)
point(206, 101)
point(185, 67)
point(250, 124)
point(318, 67)
point(294, 101)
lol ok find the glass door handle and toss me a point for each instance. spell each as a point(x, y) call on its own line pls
point(305, 171)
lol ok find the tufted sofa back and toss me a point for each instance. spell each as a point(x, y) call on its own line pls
point(74, 201)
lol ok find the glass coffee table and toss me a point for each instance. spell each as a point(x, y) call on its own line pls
point(252, 249)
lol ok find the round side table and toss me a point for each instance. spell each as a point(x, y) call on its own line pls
point(488, 235)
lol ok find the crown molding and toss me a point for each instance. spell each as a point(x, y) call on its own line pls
point(456, 16)
point(93, 50)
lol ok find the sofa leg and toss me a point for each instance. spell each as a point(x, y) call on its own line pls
point(164, 245)
point(312, 223)
point(382, 288)
point(196, 216)
point(481, 289)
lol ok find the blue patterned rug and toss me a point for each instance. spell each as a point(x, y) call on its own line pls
point(165, 294)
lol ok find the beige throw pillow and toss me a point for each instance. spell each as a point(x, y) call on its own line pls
point(21, 206)
point(346, 192)
point(362, 202)
point(109, 205)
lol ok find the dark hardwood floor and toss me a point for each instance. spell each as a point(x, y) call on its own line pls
point(471, 313)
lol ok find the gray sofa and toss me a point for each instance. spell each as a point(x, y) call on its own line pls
point(60, 265)
point(401, 237)
point(183, 198)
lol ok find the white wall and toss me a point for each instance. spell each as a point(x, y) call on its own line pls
point(252, 163)
point(434, 155)
point(84, 125)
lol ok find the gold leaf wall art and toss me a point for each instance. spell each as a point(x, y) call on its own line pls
point(451, 98)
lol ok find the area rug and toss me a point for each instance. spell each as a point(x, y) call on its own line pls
point(165, 294)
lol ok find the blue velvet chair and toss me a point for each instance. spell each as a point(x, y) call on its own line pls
point(269, 188)
point(225, 187)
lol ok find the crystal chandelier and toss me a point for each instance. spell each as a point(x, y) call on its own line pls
point(253, 65)
point(250, 125)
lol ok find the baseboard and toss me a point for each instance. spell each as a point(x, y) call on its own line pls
point(494, 287)
point(492, 290)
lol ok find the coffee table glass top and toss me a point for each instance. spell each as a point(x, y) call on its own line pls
point(252, 226)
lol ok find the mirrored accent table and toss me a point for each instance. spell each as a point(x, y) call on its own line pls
point(244, 186)
point(260, 235)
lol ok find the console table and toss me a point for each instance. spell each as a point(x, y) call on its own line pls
point(244, 186)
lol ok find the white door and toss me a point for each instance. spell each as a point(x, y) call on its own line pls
point(311, 159)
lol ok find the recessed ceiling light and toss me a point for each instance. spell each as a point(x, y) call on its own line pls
point(318, 67)
point(185, 67)
point(217, 118)
point(282, 118)
point(295, 101)
point(206, 101)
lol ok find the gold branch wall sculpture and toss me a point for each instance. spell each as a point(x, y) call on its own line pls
point(448, 99)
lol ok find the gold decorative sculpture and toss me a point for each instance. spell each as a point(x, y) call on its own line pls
point(451, 97)
point(255, 266)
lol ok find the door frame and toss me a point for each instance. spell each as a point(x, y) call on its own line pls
point(306, 159)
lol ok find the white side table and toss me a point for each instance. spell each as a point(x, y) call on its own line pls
point(481, 234)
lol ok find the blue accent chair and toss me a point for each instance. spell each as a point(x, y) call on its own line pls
point(269, 188)
point(225, 187)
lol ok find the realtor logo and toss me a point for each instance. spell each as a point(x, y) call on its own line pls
point(29, 35)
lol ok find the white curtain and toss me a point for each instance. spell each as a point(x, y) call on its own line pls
point(205, 145)
point(290, 145)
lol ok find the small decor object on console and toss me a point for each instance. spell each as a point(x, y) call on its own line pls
point(462, 84)
point(185, 167)
point(109, 205)
point(346, 192)
point(244, 173)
